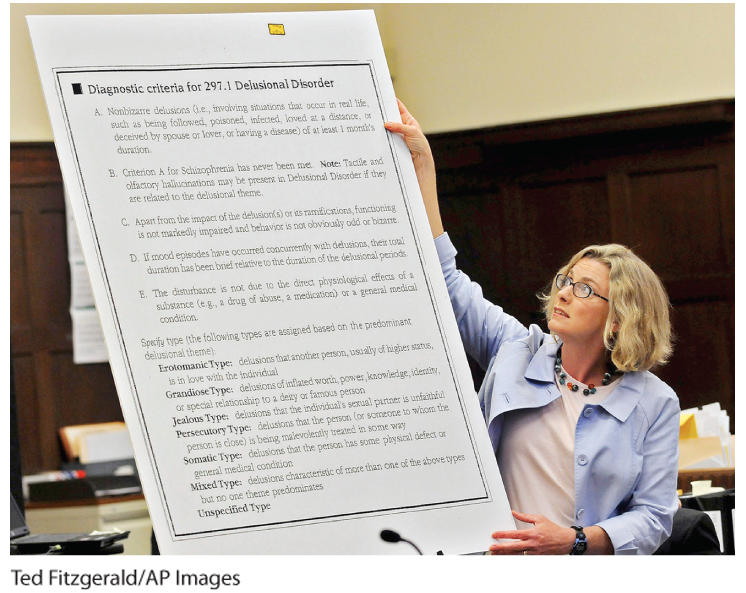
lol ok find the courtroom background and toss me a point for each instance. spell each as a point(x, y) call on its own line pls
point(553, 126)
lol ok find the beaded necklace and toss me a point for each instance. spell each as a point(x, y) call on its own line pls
point(589, 389)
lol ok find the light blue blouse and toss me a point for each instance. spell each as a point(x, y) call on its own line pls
point(626, 447)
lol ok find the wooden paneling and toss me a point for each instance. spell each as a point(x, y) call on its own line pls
point(51, 391)
point(702, 369)
point(682, 207)
point(660, 181)
point(89, 379)
point(517, 200)
point(29, 423)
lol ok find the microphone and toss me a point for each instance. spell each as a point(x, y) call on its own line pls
point(393, 537)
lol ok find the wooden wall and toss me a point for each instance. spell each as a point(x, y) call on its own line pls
point(51, 391)
point(518, 202)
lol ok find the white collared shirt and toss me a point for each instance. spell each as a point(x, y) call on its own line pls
point(536, 450)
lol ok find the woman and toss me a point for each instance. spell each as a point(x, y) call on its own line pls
point(585, 436)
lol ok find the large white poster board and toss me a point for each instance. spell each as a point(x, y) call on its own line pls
point(278, 328)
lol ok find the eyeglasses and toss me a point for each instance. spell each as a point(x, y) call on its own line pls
point(579, 289)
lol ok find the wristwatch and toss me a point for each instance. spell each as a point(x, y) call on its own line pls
point(581, 542)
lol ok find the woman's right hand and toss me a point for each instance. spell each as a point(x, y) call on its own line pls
point(424, 166)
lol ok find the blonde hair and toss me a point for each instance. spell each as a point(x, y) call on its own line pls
point(638, 305)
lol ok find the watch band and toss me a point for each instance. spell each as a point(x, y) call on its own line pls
point(581, 542)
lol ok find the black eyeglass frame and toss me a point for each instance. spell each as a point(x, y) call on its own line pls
point(568, 282)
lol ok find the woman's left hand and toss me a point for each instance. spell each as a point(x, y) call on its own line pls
point(544, 537)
